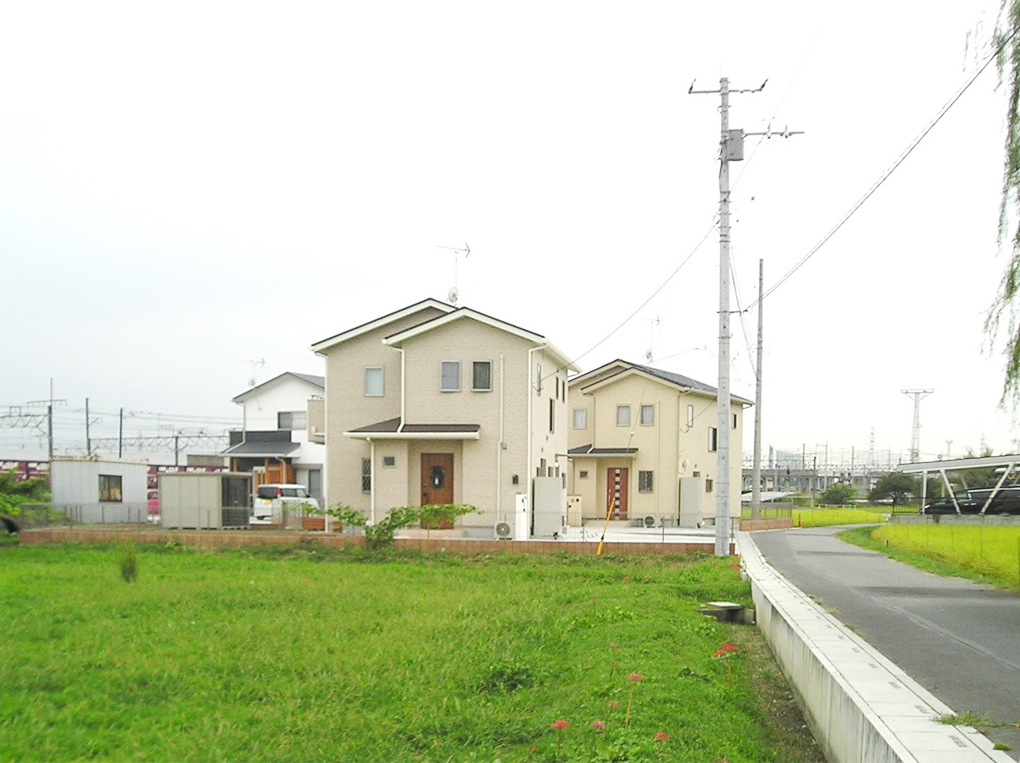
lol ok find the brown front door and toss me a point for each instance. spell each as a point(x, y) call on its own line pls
point(616, 492)
point(437, 482)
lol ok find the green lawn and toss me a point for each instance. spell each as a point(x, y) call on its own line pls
point(825, 517)
point(302, 655)
point(989, 554)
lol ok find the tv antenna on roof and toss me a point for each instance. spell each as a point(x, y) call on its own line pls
point(453, 294)
point(652, 323)
point(255, 364)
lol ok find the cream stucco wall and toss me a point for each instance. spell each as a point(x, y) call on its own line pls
point(347, 406)
point(669, 448)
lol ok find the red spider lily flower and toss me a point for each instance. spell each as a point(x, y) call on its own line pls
point(728, 647)
point(662, 736)
point(720, 653)
point(598, 725)
point(635, 677)
point(614, 704)
point(560, 724)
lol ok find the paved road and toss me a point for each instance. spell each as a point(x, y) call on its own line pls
point(958, 639)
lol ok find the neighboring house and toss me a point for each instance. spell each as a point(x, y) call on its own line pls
point(644, 440)
point(100, 490)
point(437, 404)
point(276, 443)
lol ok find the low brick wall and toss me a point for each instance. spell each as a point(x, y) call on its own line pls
point(216, 538)
point(754, 525)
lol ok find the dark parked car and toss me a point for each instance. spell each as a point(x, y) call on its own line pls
point(1006, 501)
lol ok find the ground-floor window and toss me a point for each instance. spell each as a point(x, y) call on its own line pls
point(366, 475)
point(111, 488)
point(644, 482)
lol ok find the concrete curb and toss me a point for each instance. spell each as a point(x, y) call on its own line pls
point(861, 707)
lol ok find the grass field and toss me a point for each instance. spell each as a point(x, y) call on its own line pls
point(988, 554)
point(825, 517)
point(304, 655)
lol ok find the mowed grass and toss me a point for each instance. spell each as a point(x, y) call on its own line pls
point(305, 655)
point(827, 517)
point(989, 554)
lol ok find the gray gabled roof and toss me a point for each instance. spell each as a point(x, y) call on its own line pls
point(316, 381)
point(678, 380)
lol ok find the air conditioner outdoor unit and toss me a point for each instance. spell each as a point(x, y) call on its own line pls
point(502, 530)
point(650, 520)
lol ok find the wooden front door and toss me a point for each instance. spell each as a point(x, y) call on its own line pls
point(437, 482)
point(616, 492)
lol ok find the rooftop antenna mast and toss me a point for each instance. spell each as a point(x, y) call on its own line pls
point(652, 323)
point(255, 364)
point(454, 294)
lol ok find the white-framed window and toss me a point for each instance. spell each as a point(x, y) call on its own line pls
point(647, 415)
point(713, 439)
point(294, 420)
point(580, 418)
point(481, 376)
point(690, 416)
point(538, 378)
point(450, 376)
point(552, 415)
point(644, 481)
point(374, 381)
point(111, 488)
point(623, 415)
point(366, 475)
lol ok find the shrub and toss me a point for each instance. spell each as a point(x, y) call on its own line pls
point(128, 561)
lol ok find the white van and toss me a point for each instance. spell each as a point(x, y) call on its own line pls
point(270, 500)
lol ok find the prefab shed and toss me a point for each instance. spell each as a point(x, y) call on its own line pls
point(100, 490)
point(204, 500)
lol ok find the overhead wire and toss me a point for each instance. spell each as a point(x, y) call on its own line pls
point(888, 172)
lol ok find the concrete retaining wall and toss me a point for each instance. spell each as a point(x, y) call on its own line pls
point(214, 538)
point(860, 707)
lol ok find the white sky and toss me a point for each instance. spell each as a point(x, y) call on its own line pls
point(191, 186)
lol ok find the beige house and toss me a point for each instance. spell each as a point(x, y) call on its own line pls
point(644, 440)
point(437, 404)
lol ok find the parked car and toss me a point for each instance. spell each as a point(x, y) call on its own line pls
point(1006, 501)
point(152, 497)
point(271, 500)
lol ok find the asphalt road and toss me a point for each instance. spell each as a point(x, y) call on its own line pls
point(958, 639)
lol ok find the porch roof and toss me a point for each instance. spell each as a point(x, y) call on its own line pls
point(588, 451)
point(261, 449)
point(395, 429)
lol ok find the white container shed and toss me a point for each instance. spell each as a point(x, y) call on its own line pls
point(100, 490)
point(204, 500)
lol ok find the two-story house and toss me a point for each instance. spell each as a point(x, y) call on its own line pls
point(276, 443)
point(437, 404)
point(643, 441)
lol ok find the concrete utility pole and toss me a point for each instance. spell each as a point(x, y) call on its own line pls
point(731, 144)
point(915, 440)
point(756, 473)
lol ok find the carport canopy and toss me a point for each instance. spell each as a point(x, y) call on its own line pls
point(1006, 463)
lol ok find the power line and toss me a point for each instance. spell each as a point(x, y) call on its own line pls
point(885, 175)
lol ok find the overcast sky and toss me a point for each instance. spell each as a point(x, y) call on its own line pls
point(190, 187)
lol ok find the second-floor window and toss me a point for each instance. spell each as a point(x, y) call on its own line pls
point(580, 418)
point(647, 415)
point(713, 439)
point(296, 420)
point(481, 376)
point(623, 415)
point(374, 382)
point(552, 415)
point(450, 381)
point(690, 416)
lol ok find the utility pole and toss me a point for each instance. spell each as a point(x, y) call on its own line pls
point(756, 472)
point(49, 418)
point(88, 440)
point(915, 440)
point(731, 145)
point(120, 435)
